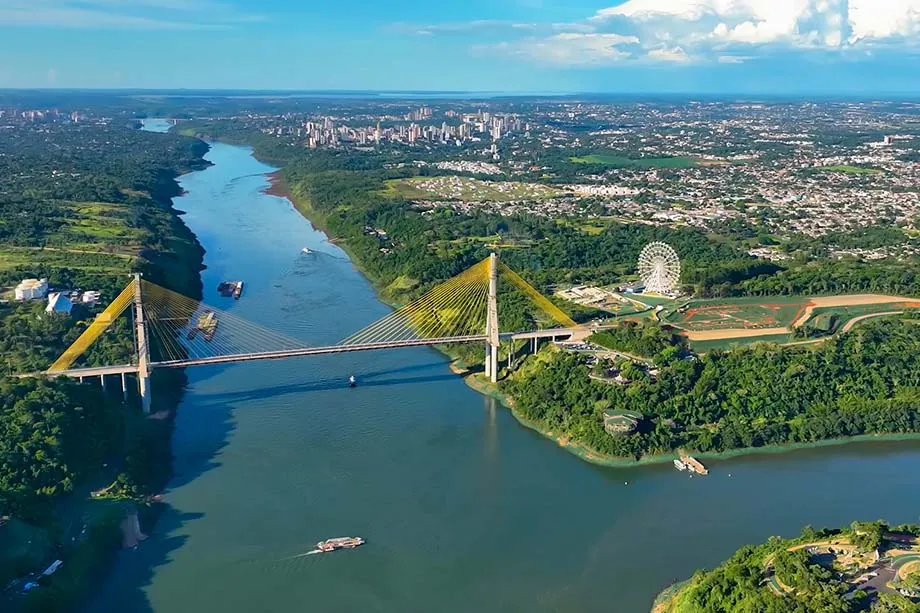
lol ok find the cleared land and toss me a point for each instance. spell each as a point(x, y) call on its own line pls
point(849, 301)
point(742, 314)
point(723, 323)
point(618, 161)
point(719, 335)
point(468, 189)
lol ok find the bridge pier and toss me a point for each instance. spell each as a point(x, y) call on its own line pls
point(493, 342)
point(102, 381)
point(143, 353)
point(124, 388)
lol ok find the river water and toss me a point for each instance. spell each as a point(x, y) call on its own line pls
point(463, 509)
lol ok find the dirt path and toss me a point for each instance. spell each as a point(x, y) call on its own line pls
point(849, 325)
point(852, 300)
point(718, 335)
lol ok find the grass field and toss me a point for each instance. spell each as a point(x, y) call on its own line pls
point(91, 235)
point(731, 343)
point(839, 316)
point(617, 161)
point(853, 170)
point(741, 313)
point(468, 189)
point(723, 324)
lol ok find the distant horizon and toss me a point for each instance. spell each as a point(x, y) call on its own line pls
point(238, 92)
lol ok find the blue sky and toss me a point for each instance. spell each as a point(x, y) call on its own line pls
point(862, 47)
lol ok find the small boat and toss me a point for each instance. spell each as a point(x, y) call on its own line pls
point(306, 250)
point(342, 542)
point(352, 382)
point(680, 465)
point(229, 289)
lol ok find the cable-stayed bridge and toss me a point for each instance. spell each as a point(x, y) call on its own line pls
point(174, 331)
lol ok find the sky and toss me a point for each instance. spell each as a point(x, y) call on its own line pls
point(811, 47)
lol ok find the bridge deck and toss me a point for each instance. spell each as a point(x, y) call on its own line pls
point(308, 351)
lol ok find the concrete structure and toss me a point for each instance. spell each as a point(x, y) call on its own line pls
point(142, 365)
point(620, 423)
point(32, 289)
point(494, 341)
point(58, 302)
point(143, 352)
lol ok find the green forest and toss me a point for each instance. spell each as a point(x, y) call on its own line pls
point(751, 579)
point(83, 206)
point(749, 397)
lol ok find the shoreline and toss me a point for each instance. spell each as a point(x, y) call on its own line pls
point(278, 187)
point(593, 457)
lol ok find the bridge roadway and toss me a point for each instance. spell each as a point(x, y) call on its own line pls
point(307, 351)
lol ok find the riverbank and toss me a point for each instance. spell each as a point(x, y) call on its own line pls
point(139, 461)
point(279, 187)
point(487, 388)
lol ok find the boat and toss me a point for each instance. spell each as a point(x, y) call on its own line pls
point(306, 250)
point(693, 465)
point(229, 289)
point(342, 542)
point(352, 381)
point(680, 465)
point(207, 323)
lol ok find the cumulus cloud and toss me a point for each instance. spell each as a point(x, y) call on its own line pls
point(723, 31)
point(121, 14)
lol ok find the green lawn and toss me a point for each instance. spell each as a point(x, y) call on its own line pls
point(618, 161)
point(731, 343)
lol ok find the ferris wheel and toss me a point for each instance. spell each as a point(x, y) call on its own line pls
point(659, 268)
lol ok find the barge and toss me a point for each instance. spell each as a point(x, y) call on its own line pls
point(229, 289)
point(693, 465)
point(342, 542)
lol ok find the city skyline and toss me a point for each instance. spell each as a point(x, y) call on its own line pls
point(792, 47)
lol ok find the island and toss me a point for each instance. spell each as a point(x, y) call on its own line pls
point(869, 566)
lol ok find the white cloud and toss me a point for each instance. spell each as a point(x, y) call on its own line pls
point(569, 48)
point(663, 54)
point(725, 31)
point(120, 14)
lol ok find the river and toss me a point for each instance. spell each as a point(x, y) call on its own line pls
point(462, 508)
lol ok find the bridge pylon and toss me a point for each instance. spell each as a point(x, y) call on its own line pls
point(492, 334)
point(143, 349)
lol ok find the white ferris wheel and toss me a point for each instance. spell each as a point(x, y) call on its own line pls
point(659, 268)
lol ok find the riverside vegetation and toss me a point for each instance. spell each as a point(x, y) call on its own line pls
point(867, 567)
point(743, 398)
point(82, 205)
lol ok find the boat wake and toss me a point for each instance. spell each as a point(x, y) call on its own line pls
point(301, 555)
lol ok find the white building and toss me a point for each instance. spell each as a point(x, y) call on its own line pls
point(32, 289)
point(58, 302)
